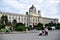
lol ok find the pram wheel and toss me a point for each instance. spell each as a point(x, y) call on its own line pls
point(40, 34)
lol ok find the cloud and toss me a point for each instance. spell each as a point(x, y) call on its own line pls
point(5, 9)
point(48, 8)
point(13, 3)
point(24, 4)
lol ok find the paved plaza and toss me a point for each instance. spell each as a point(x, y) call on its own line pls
point(32, 35)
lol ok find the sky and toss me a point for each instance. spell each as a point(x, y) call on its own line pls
point(48, 8)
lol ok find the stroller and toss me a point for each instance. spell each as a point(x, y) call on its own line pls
point(43, 32)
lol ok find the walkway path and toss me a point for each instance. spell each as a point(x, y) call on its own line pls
point(53, 35)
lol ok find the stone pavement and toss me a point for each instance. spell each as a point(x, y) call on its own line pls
point(31, 35)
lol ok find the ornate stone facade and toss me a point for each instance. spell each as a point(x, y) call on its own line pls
point(32, 17)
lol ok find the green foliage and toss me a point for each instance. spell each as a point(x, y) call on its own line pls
point(9, 23)
point(3, 25)
point(14, 22)
point(52, 24)
point(29, 28)
point(38, 26)
point(0, 26)
point(4, 18)
point(20, 24)
point(3, 30)
point(58, 27)
point(20, 28)
point(14, 27)
point(49, 28)
point(47, 24)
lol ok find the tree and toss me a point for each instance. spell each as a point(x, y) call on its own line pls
point(38, 26)
point(20, 27)
point(49, 26)
point(14, 24)
point(29, 27)
point(4, 19)
point(58, 26)
point(20, 24)
point(9, 23)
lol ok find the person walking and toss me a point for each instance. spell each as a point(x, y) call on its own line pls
point(46, 31)
point(7, 29)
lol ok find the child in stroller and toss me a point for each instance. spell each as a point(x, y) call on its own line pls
point(43, 32)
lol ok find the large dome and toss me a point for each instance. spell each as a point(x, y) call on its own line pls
point(33, 11)
point(32, 8)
